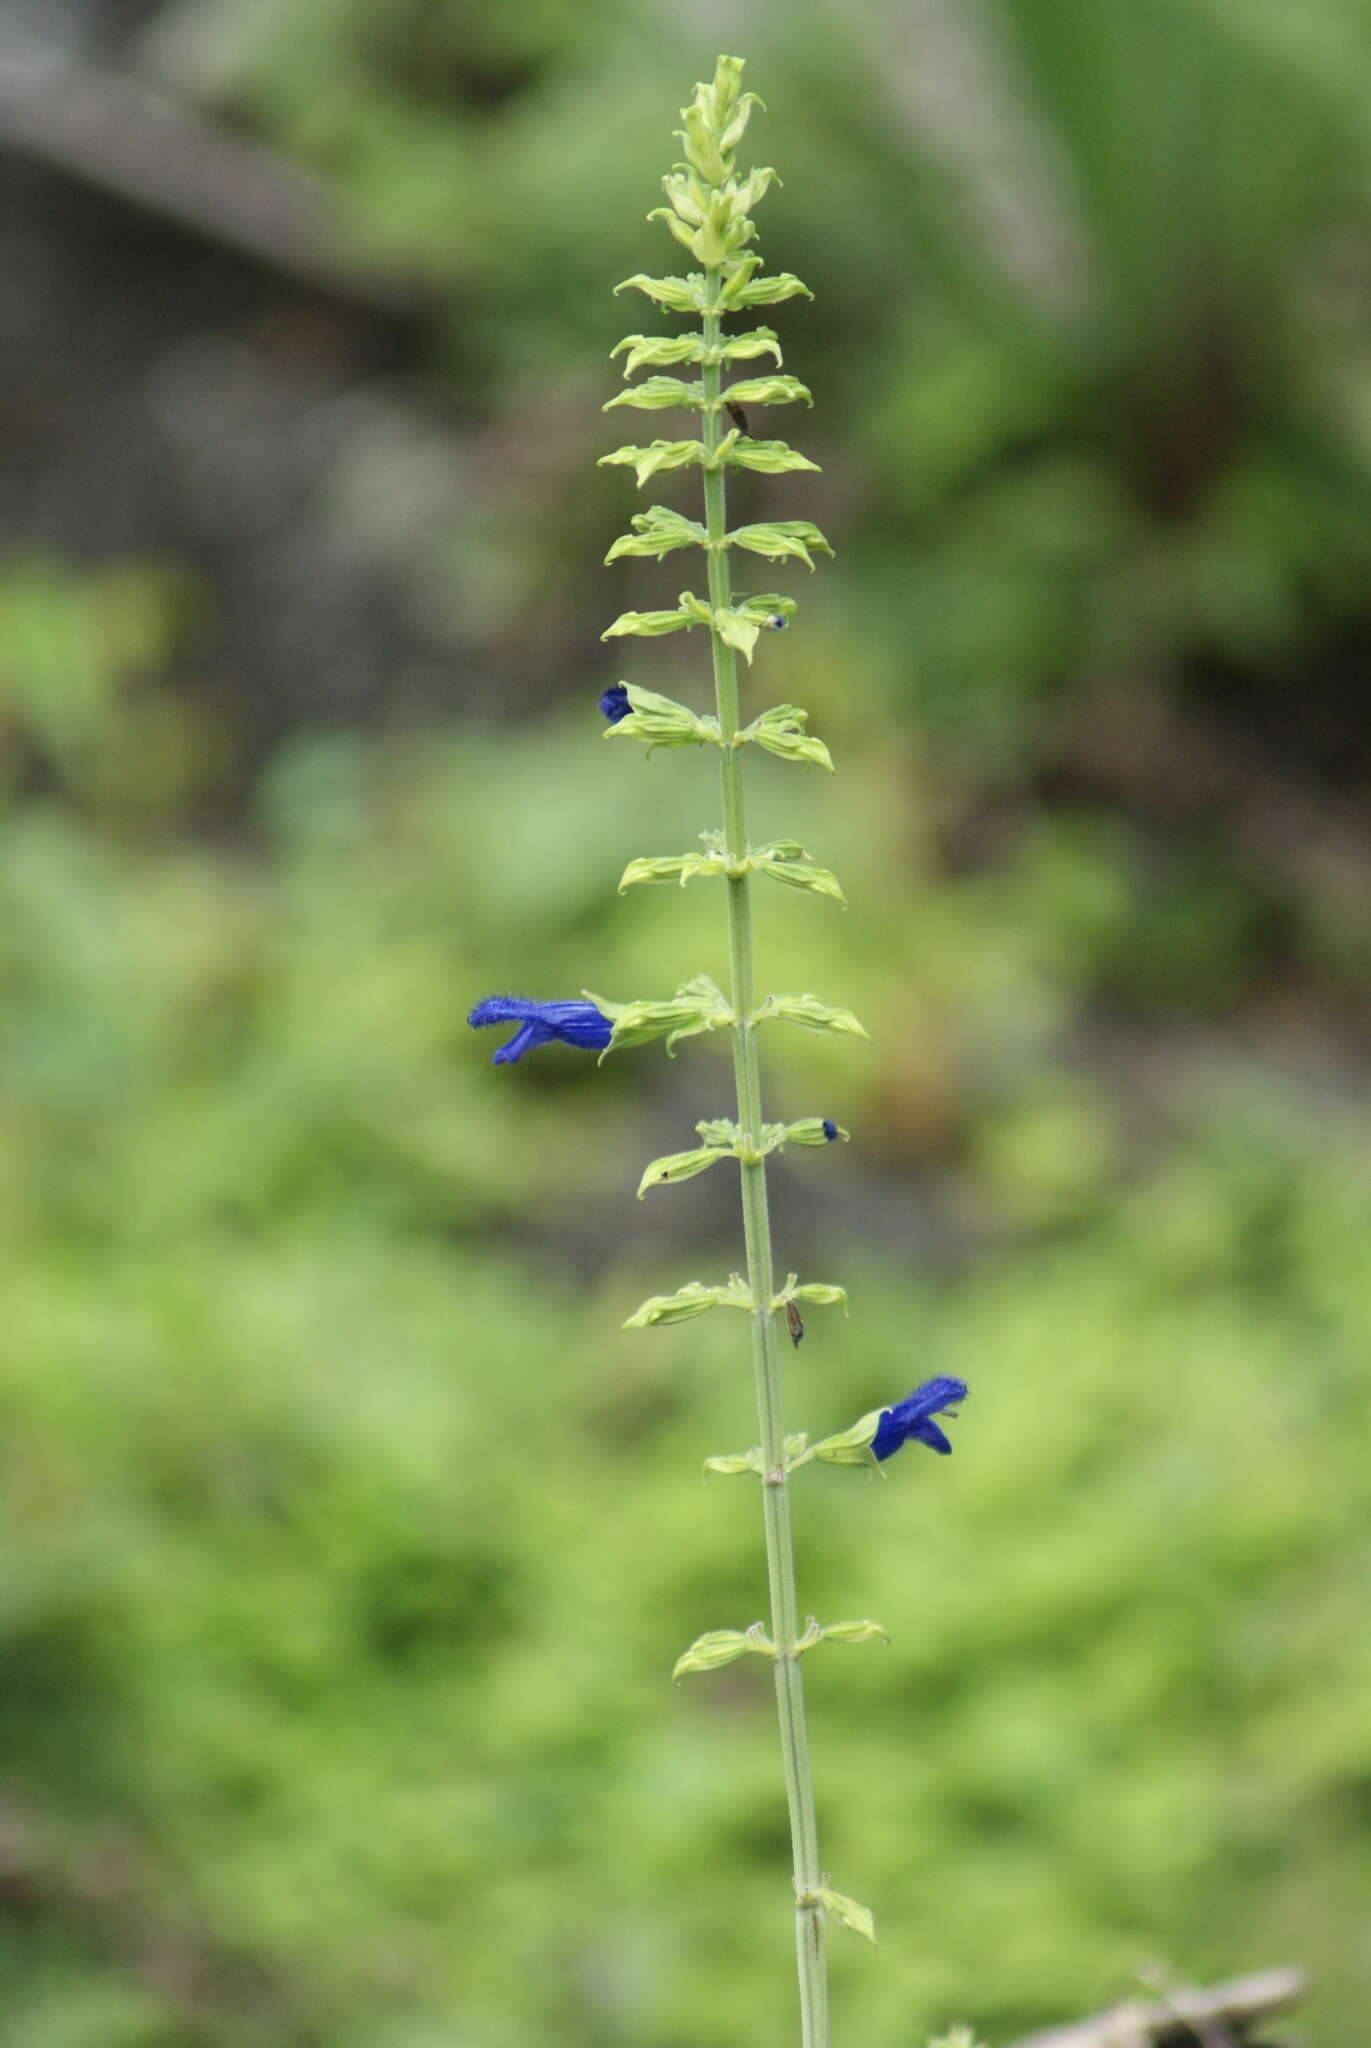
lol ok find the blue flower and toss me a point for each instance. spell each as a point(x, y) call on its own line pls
point(574, 1023)
point(830, 1129)
point(776, 623)
point(913, 1418)
point(614, 703)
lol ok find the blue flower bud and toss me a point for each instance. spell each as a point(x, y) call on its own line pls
point(830, 1128)
point(614, 703)
point(579, 1024)
point(912, 1418)
point(776, 624)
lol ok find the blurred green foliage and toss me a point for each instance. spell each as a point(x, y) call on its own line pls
point(348, 1541)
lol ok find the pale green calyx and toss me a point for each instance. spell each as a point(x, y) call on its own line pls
point(694, 1299)
point(734, 1463)
point(656, 532)
point(718, 1130)
point(812, 1015)
point(814, 1130)
point(772, 458)
point(657, 351)
point(778, 539)
point(782, 731)
point(850, 1446)
point(698, 1005)
point(849, 1913)
point(662, 722)
point(855, 1632)
point(742, 289)
point(740, 624)
point(690, 611)
point(765, 391)
point(658, 455)
point(796, 871)
point(721, 1646)
point(656, 394)
point(679, 294)
point(674, 1166)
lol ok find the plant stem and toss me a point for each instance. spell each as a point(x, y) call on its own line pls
point(766, 1339)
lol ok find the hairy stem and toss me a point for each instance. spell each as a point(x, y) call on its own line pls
point(766, 1336)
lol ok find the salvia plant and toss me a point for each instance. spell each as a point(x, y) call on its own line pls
point(709, 212)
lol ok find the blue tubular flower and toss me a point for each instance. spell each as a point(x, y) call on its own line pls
point(830, 1129)
point(574, 1023)
point(614, 703)
point(913, 1418)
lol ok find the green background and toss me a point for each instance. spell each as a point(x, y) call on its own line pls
point(347, 1541)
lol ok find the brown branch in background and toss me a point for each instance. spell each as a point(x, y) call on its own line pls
point(149, 150)
point(1223, 2015)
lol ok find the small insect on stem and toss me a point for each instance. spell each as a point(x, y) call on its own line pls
point(794, 1322)
point(736, 414)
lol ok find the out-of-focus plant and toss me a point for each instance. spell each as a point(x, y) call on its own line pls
point(709, 213)
point(82, 652)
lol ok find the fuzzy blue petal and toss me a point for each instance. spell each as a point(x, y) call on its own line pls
point(614, 703)
point(579, 1024)
point(524, 1040)
point(911, 1420)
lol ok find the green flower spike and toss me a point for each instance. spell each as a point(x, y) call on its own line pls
point(708, 212)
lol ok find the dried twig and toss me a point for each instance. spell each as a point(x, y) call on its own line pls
point(1184, 2018)
point(155, 153)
